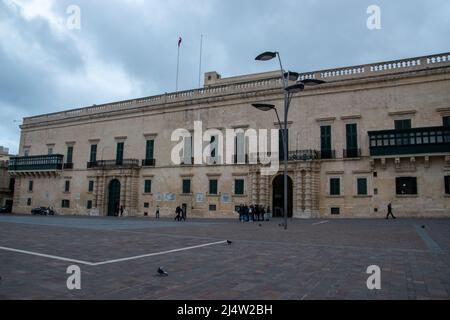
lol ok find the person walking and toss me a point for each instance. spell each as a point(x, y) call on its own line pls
point(157, 212)
point(121, 211)
point(390, 211)
point(183, 213)
point(178, 212)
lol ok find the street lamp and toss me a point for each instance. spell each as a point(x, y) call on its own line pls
point(289, 91)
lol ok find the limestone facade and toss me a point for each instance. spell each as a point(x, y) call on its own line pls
point(372, 134)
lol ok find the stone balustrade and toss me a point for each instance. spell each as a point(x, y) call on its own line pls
point(329, 75)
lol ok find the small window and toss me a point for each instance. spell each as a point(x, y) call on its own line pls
point(447, 184)
point(375, 174)
point(148, 186)
point(65, 204)
point(402, 124)
point(239, 186)
point(186, 186)
point(335, 186)
point(91, 186)
point(213, 187)
point(30, 186)
point(67, 186)
point(212, 207)
point(335, 211)
point(12, 182)
point(406, 185)
point(50, 151)
point(446, 121)
point(146, 205)
point(89, 204)
point(362, 186)
point(29, 202)
point(26, 153)
point(375, 191)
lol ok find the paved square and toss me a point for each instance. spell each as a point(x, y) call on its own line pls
point(313, 259)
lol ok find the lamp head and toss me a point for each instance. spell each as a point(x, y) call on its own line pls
point(268, 55)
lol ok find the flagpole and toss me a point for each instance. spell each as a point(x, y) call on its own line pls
point(200, 64)
point(178, 66)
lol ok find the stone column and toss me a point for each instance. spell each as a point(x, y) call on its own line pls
point(254, 183)
point(263, 186)
point(101, 194)
point(298, 193)
point(308, 193)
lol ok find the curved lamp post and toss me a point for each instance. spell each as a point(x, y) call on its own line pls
point(289, 91)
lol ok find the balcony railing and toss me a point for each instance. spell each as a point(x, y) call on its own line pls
point(113, 164)
point(68, 166)
point(410, 141)
point(327, 154)
point(148, 162)
point(36, 163)
point(351, 153)
point(303, 155)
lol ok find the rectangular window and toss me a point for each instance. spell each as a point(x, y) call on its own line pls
point(146, 205)
point(148, 186)
point(187, 156)
point(446, 121)
point(213, 187)
point(212, 207)
point(325, 142)
point(149, 150)
point(29, 202)
point(402, 124)
point(91, 186)
point(26, 153)
point(239, 186)
point(335, 211)
point(352, 140)
point(186, 186)
point(239, 148)
point(119, 153)
point(447, 184)
point(69, 158)
point(362, 186)
point(280, 143)
point(30, 186)
point(214, 145)
point(12, 182)
point(89, 204)
point(50, 151)
point(65, 204)
point(406, 185)
point(335, 187)
point(67, 186)
point(93, 155)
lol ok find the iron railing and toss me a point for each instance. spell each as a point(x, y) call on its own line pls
point(112, 164)
point(36, 163)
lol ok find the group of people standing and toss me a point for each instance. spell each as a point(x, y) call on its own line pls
point(251, 213)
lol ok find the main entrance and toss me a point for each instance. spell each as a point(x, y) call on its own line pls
point(114, 198)
point(278, 196)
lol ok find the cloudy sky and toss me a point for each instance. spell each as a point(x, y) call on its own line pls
point(128, 48)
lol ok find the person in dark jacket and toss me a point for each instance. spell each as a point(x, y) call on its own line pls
point(178, 212)
point(390, 212)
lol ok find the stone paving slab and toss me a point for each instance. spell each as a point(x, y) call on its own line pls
point(325, 261)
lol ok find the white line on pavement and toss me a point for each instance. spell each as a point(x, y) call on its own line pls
point(110, 261)
point(158, 253)
point(47, 256)
point(321, 222)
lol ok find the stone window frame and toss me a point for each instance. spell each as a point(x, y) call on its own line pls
point(335, 175)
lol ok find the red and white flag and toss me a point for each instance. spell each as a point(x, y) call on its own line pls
point(180, 40)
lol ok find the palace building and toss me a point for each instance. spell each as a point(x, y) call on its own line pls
point(372, 134)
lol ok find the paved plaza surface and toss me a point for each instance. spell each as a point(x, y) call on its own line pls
point(313, 259)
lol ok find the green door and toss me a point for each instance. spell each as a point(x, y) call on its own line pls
point(114, 198)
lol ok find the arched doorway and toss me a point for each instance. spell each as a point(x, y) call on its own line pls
point(278, 196)
point(113, 197)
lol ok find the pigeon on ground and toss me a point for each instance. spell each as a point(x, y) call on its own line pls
point(161, 272)
point(229, 242)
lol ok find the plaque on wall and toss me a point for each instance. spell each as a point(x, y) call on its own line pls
point(226, 198)
point(158, 197)
point(200, 197)
point(169, 196)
